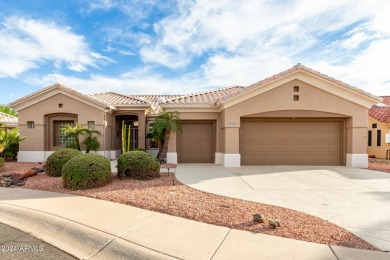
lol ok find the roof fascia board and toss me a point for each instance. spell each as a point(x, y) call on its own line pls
point(52, 92)
point(190, 107)
point(311, 79)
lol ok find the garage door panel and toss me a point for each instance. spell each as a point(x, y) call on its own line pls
point(196, 143)
point(291, 143)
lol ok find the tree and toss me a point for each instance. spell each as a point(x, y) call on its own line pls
point(7, 110)
point(9, 142)
point(75, 131)
point(90, 141)
point(166, 122)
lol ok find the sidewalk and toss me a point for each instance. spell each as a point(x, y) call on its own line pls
point(95, 229)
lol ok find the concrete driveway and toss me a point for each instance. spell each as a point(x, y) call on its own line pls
point(355, 199)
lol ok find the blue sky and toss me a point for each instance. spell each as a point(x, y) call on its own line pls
point(146, 46)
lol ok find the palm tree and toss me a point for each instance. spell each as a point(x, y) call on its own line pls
point(75, 131)
point(90, 141)
point(7, 110)
point(166, 122)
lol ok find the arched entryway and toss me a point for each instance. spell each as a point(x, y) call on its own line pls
point(130, 121)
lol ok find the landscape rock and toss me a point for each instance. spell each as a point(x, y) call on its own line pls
point(13, 179)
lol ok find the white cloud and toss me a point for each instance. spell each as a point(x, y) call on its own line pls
point(26, 44)
point(245, 41)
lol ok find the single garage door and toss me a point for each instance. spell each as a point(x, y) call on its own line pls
point(195, 143)
point(291, 142)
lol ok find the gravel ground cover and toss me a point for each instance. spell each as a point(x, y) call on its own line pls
point(179, 200)
point(379, 165)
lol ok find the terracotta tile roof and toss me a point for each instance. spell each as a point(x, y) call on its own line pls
point(381, 111)
point(8, 120)
point(59, 86)
point(155, 101)
point(119, 99)
point(297, 67)
point(206, 97)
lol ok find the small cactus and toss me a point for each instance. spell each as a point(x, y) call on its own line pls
point(258, 218)
point(274, 224)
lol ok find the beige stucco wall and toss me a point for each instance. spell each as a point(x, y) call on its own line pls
point(378, 151)
point(311, 99)
point(37, 138)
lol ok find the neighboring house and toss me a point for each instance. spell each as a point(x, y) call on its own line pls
point(379, 129)
point(296, 117)
point(8, 121)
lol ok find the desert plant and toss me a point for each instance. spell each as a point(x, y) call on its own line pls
point(86, 171)
point(166, 122)
point(9, 142)
point(138, 165)
point(56, 161)
point(126, 134)
point(90, 141)
point(75, 131)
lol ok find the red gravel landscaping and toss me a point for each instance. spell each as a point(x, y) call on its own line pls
point(180, 200)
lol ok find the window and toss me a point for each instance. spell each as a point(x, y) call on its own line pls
point(296, 97)
point(91, 125)
point(296, 88)
point(378, 137)
point(60, 105)
point(151, 144)
point(30, 124)
point(374, 126)
point(369, 138)
point(61, 138)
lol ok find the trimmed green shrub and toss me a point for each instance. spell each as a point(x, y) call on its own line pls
point(86, 171)
point(56, 161)
point(2, 163)
point(138, 165)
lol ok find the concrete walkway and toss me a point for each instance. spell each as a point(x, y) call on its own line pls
point(95, 229)
point(355, 199)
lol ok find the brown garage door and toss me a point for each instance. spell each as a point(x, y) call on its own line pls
point(195, 143)
point(291, 142)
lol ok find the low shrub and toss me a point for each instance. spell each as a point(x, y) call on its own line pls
point(56, 161)
point(138, 165)
point(86, 171)
point(2, 163)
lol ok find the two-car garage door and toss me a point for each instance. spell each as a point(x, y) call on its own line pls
point(293, 142)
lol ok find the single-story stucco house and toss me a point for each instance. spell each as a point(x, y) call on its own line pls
point(8, 121)
point(296, 117)
point(379, 129)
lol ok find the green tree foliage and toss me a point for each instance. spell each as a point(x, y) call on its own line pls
point(166, 122)
point(7, 110)
point(77, 131)
point(90, 141)
point(9, 142)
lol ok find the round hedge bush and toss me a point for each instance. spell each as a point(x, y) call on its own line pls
point(56, 161)
point(138, 165)
point(86, 171)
